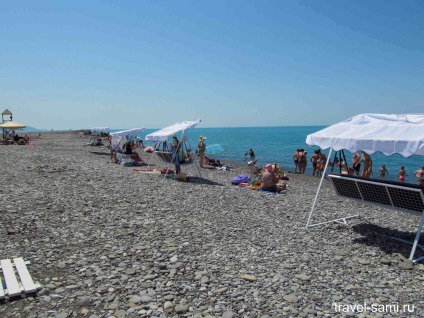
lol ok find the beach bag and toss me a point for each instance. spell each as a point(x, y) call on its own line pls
point(240, 179)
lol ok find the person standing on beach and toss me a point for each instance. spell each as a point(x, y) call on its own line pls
point(176, 156)
point(322, 160)
point(314, 160)
point(382, 172)
point(356, 162)
point(303, 161)
point(202, 148)
point(366, 159)
point(296, 159)
point(420, 176)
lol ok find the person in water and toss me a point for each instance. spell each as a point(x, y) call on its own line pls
point(382, 172)
point(251, 154)
point(402, 174)
point(420, 176)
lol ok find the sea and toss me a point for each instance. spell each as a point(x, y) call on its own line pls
point(278, 144)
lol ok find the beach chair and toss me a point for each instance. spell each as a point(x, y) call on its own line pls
point(165, 156)
point(15, 285)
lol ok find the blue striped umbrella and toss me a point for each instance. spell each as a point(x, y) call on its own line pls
point(215, 150)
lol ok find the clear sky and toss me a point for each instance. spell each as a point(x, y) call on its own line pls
point(124, 64)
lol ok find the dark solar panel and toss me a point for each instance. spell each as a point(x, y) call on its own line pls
point(409, 200)
point(407, 197)
point(346, 188)
point(374, 193)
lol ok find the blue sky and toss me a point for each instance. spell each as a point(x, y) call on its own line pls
point(124, 64)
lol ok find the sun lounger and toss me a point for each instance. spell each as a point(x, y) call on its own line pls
point(165, 155)
point(16, 284)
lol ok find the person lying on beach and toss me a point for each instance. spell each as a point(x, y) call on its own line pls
point(270, 180)
point(95, 142)
point(214, 163)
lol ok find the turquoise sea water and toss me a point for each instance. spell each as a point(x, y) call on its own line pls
point(278, 144)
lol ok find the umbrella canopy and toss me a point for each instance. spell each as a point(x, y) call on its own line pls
point(12, 125)
point(215, 149)
point(120, 137)
point(165, 133)
point(385, 133)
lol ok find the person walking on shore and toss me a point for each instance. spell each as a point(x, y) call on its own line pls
point(202, 148)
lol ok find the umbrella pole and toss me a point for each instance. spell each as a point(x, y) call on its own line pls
point(319, 188)
point(195, 162)
point(151, 156)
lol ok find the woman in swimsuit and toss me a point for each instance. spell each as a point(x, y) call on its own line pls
point(366, 159)
point(356, 162)
point(420, 175)
point(402, 174)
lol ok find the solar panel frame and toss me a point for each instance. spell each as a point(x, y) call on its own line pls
point(392, 195)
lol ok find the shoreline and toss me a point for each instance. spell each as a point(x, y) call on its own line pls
point(106, 241)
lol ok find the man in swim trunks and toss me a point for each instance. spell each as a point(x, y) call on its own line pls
point(314, 160)
point(296, 160)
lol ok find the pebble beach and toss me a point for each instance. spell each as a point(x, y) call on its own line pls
point(106, 241)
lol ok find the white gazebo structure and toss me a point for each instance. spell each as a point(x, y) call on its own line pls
point(386, 133)
point(119, 138)
point(162, 135)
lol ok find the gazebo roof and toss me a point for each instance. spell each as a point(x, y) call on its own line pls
point(7, 112)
